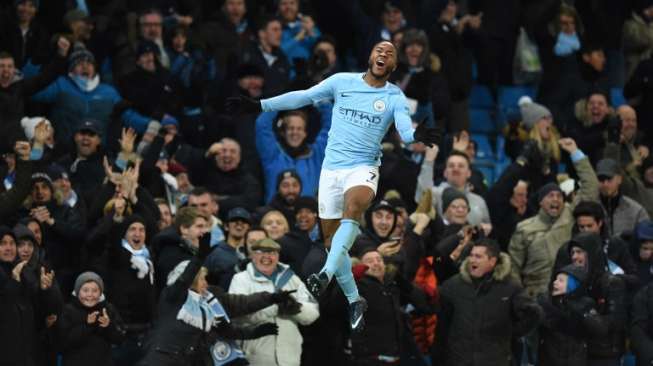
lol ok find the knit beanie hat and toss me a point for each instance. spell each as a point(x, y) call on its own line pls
point(129, 220)
point(88, 277)
point(451, 194)
point(546, 189)
point(572, 283)
point(77, 56)
point(531, 112)
point(29, 124)
point(287, 174)
point(42, 177)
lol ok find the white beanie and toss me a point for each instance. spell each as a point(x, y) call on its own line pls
point(531, 112)
point(29, 124)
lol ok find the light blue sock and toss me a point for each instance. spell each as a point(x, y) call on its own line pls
point(346, 279)
point(341, 243)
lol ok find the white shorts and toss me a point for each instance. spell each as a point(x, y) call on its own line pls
point(334, 184)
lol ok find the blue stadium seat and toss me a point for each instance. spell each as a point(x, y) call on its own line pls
point(481, 98)
point(484, 149)
point(617, 97)
point(509, 95)
point(481, 121)
point(487, 168)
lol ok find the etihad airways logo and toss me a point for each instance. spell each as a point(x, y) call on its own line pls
point(360, 118)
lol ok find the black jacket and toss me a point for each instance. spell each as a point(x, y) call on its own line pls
point(479, 317)
point(152, 94)
point(12, 101)
point(11, 200)
point(17, 317)
point(569, 320)
point(609, 292)
point(277, 75)
point(504, 216)
point(640, 86)
point(86, 175)
point(236, 188)
point(84, 344)
point(385, 323)
point(295, 246)
point(169, 249)
point(133, 297)
point(456, 59)
point(641, 331)
point(176, 343)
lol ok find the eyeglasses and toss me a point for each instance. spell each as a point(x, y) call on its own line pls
point(459, 207)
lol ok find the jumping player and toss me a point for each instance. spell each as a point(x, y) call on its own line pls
point(365, 104)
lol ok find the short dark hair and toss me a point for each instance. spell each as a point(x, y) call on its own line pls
point(5, 55)
point(326, 39)
point(461, 154)
point(589, 208)
point(149, 11)
point(199, 191)
point(491, 247)
point(255, 228)
point(266, 20)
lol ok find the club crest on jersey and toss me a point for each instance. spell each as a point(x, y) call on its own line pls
point(379, 105)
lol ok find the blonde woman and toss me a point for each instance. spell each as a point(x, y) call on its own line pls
point(275, 224)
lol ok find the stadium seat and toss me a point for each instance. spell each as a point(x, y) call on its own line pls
point(484, 149)
point(481, 121)
point(617, 97)
point(481, 98)
point(509, 95)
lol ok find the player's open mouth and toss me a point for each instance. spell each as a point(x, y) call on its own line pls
point(380, 63)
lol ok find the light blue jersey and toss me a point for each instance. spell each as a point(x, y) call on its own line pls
point(361, 117)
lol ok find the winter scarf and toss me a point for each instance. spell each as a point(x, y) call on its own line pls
point(140, 261)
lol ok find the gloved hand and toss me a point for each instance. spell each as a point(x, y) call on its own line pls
point(265, 329)
point(205, 246)
point(242, 104)
point(290, 307)
point(427, 136)
point(530, 154)
point(281, 297)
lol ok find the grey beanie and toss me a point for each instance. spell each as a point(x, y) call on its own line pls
point(531, 112)
point(88, 277)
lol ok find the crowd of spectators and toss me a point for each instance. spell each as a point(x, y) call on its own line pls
point(142, 224)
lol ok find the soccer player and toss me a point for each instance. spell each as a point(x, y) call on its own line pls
point(365, 104)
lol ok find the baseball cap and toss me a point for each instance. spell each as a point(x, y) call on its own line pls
point(90, 125)
point(607, 168)
point(239, 213)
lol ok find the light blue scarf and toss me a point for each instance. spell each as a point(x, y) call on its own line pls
point(566, 44)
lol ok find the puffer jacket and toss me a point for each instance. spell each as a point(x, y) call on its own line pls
point(536, 241)
point(569, 320)
point(286, 348)
point(479, 317)
point(641, 331)
point(609, 292)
